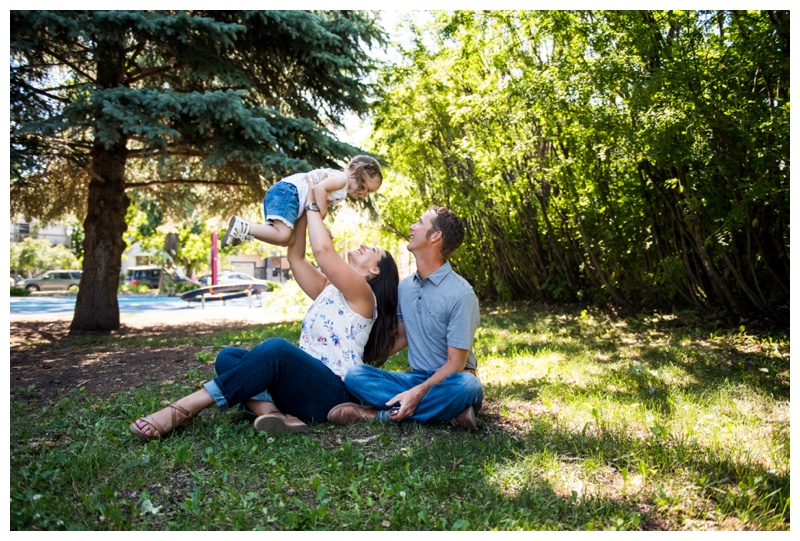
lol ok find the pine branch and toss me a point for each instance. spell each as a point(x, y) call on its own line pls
point(73, 67)
point(182, 181)
point(45, 92)
point(145, 72)
point(148, 153)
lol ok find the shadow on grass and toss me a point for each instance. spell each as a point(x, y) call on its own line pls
point(74, 464)
point(507, 479)
point(707, 362)
point(79, 467)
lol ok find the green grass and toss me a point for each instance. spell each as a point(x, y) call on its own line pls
point(590, 423)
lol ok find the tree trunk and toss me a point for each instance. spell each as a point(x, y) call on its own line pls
point(97, 308)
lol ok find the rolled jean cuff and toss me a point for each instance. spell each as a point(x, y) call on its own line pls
point(216, 393)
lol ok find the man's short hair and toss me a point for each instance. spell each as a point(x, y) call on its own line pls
point(451, 227)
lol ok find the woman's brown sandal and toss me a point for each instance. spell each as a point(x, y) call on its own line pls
point(156, 430)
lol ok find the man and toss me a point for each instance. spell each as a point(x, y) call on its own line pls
point(437, 318)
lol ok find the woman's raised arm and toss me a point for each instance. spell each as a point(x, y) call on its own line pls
point(345, 278)
point(310, 280)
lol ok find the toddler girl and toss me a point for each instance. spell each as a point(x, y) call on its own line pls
point(282, 203)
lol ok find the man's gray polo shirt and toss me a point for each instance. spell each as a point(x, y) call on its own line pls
point(439, 311)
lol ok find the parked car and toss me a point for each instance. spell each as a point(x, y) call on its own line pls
point(230, 276)
point(148, 275)
point(53, 280)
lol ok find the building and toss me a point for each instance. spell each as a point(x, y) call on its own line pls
point(56, 233)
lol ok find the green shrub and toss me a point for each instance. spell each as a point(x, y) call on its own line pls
point(185, 286)
point(19, 292)
point(128, 289)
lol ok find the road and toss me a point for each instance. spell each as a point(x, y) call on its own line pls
point(141, 308)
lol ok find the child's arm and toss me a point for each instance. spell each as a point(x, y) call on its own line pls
point(335, 180)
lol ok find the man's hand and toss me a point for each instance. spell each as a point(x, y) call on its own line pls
point(408, 401)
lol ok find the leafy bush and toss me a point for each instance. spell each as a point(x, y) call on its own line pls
point(181, 287)
point(273, 286)
point(34, 256)
point(287, 301)
point(185, 286)
point(19, 292)
point(127, 289)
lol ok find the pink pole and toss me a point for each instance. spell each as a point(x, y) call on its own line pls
point(214, 258)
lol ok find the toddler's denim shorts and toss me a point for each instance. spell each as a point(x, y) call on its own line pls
point(281, 203)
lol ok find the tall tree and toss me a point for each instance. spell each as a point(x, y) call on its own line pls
point(207, 105)
point(639, 158)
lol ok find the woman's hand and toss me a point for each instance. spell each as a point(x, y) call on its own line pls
point(316, 176)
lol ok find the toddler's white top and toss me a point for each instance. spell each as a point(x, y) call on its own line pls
point(335, 197)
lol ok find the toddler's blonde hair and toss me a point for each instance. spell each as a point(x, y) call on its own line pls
point(361, 168)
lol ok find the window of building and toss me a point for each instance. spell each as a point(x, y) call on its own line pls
point(21, 231)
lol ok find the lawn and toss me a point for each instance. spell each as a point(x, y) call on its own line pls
point(591, 422)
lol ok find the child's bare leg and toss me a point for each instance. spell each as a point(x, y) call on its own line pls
point(275, 232)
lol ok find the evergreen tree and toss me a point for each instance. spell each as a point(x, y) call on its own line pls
point(213, 105)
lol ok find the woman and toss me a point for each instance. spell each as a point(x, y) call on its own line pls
point(353, 319)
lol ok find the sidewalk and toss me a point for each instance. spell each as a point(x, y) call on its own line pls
point(142, 310)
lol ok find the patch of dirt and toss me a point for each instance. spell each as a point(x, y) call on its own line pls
point(43, 355)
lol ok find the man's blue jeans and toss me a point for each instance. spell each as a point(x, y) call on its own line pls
point(280, 372)
point(443, 401)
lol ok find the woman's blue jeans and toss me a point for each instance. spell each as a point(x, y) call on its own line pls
point(443, 401)
point(293, 380)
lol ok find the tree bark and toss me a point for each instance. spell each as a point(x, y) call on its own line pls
point(97, 308)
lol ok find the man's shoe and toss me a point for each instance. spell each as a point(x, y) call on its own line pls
point(278, 423)
point(349, 413)
point(466, 419)
point(238, 231)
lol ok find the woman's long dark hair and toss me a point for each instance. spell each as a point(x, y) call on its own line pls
point(384, 330)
